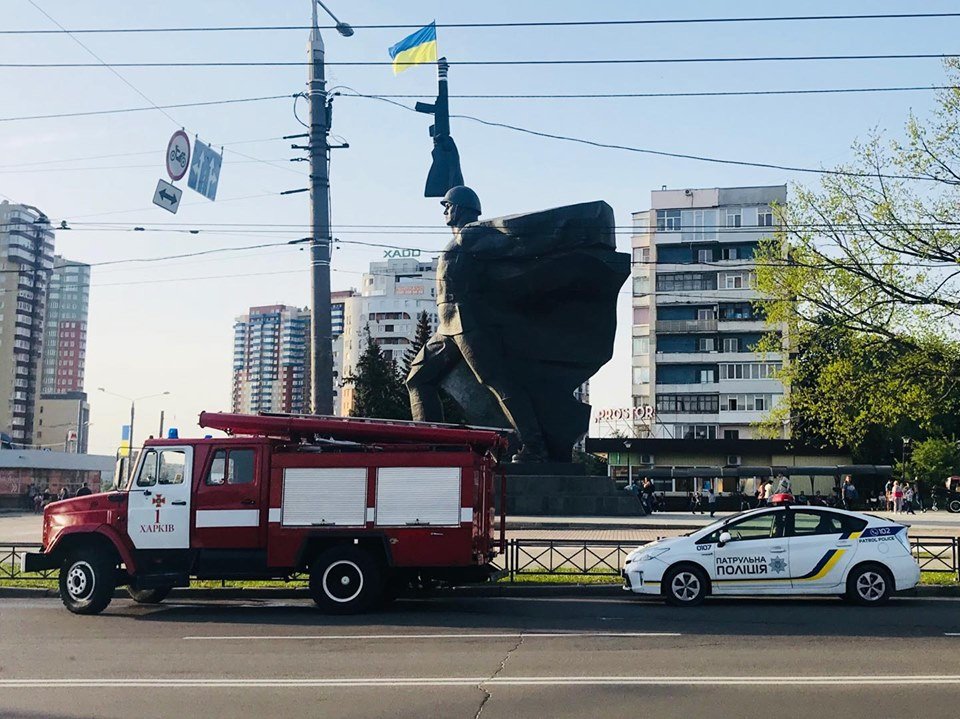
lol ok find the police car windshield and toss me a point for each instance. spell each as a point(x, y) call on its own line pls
point(720, 522)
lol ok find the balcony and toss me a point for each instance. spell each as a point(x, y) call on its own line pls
point(684, 326)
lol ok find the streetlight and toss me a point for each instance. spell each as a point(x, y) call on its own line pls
point(903, 458)
point(321, 347)
point(133, 401)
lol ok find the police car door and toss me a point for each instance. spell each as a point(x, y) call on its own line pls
point(159, 499)
point(822, 544)
point(755, 558)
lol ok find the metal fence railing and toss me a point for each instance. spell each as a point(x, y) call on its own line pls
point(532, 557)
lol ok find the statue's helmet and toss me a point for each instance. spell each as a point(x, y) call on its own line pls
point(462, 196)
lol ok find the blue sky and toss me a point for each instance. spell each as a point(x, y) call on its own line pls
point(154, 329)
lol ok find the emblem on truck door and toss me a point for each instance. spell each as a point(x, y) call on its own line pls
point(158, 502)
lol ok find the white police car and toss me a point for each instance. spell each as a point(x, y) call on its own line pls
point(788, 549)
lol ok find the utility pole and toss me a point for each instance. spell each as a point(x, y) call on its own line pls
point(321, 342)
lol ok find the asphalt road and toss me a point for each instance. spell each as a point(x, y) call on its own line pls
point(459, 657)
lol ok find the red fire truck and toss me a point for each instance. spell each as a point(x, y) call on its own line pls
point(364, 507)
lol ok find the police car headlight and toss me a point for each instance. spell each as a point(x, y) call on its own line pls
point(652, 554)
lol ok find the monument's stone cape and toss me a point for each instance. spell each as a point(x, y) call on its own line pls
point(548, 285)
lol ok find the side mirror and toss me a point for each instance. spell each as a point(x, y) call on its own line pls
point(724, 538)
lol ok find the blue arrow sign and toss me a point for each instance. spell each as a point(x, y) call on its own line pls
point(205, 170)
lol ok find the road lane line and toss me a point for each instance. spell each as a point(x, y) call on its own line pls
point(892, 682)
point(373, 637)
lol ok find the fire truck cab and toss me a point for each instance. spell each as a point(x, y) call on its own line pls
point(363, 507)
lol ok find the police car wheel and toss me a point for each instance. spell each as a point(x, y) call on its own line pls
point(345, 580)
point(869, 585)
point(87, 581)
point(685, 586)
point(954, 506)
point(149, 596)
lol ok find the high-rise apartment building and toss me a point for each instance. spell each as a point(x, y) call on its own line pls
point(65, 340)
point(271, 360)
point(695, 323)
point(392, 294)
point(26, 261)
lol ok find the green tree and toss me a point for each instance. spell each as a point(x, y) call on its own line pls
point(863, 276)
point(378, 389)
point(933, 460)
point(876, 247)
point(854, 390)
point(420, 338)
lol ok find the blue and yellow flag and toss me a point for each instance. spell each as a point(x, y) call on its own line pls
point(415, 49)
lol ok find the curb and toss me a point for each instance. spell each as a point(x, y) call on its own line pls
point(591, 526)
point(574, 591)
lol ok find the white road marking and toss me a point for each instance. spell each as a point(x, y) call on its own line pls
point(892, 682)
point(375, 637)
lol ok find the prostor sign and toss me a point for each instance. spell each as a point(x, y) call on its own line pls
point(624, 414)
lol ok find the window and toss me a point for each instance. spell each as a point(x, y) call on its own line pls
point(148, 470)
point(764, 217)
point(641, 375)
point(694, 431)
point(707, 376)
point(731, 344)
point(706, 314)
point(641, 255)
point(762, 526)
point(641, 315)
point(641, 345)
point(731, 434)
point(733, 218)
point(668, 220)
point(172, 462)
point(641, 286)
point(729, 253)
point(704, 255)
point(686, 281)
point(687, 403)
point(760, 403)
point(808, 522)
point(734, 280)
point(233, 467)
point(706, 344)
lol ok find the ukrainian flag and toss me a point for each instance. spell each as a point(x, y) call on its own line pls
point(416, 49)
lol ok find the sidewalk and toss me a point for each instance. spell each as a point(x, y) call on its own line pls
point(942, 523)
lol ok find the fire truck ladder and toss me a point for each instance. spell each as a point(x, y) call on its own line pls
point(354, 429)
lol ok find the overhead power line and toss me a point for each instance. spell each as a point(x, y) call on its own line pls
point(517, 96)
point(520, 24)
point(475, 63)
point(116, 111)
point(109, 66)
point(658, 153)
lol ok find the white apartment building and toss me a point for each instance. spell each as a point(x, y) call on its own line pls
point(391, 296)
point(695, 325)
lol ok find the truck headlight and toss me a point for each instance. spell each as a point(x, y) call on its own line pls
point(651, 554)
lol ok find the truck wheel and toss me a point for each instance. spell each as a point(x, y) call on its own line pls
point(87, 580)
point(954, 506)
point(869, 584)
point(684, 586)
point(345, 580)
point(149, 596)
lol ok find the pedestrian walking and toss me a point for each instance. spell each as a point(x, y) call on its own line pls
point(908, 495)
point(634, 489)
point(711, 497)
point(888, 494)
point(897, 497)
point(849, 494)
point(648, 495)
point(696, 502)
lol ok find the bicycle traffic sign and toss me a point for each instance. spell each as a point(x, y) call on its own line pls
point(178, 155)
